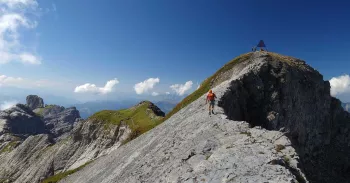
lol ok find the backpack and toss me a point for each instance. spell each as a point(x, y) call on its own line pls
point(211, 96)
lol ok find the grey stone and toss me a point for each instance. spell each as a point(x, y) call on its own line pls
point(59, 120)
point(34, 101)
point(20, 120)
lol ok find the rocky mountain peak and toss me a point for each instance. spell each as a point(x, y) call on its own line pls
point(274, 114)
point(34, 102)
point(155, 109)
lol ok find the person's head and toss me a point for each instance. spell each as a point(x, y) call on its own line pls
point(210, 91)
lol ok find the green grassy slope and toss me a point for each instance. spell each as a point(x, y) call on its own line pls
point(40, 111)
point(139, 118)
point(60, 176)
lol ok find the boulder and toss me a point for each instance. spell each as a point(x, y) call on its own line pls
point(34, 102)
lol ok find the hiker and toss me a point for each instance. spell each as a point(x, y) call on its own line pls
point(211, 98)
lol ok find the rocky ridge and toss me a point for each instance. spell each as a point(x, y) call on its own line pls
point(275, 122)
point(38, 157)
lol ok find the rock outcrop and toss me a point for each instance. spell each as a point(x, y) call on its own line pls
point(20, 120)
point(152, 107)
point(286, 94)
point(59, 120)
point(275, 122)
point(34, 101)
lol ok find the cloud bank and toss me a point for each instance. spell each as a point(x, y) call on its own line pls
point(7, 104)
point(180, 89)
point(155, 94)
point(340, 85)
point(146, 85)
point(19, 82)
point(92, 88)
point(13, 16)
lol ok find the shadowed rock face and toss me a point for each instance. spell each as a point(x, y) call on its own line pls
point(33, 102)
point(294, 98)
point(60, 120)
point(154, 108)
point(20, 120)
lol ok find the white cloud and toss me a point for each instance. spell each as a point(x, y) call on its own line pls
point(10, 81)
point(167, 93)
point(146, 85)
point(155, 94)
point(92, 88)
point(13, 16)
point(180, 89)
point(19, 3)
point(7, 104)
point(340, 85)
point(20, 82)
point(29, 58)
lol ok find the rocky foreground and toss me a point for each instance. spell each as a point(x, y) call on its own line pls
point(276, 122)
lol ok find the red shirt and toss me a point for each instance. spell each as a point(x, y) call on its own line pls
point(211, 96)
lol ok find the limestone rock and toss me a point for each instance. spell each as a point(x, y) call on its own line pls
point(34, 101)
point(20, 120)
point(59, 120)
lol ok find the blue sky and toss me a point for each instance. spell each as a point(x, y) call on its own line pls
point(79, 42)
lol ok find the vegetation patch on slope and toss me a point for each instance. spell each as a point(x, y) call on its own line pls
point(11, 145)
point(139, 118)
point(287, 59)
point(207, 84)
point(39, 111)
point(60, 176)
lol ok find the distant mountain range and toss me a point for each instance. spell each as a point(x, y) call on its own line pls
point(49, 99)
